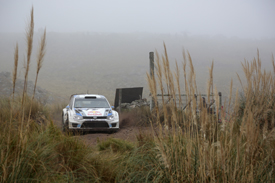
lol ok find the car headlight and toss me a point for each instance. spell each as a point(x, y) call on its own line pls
point(77, 117)
point(110, 117)
point(108, 112)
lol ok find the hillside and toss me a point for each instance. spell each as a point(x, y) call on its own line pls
point(101, 62)
point(42, 95)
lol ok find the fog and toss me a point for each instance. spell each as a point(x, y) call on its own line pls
point(246, 18)
point(98, 46)
point(102, 62)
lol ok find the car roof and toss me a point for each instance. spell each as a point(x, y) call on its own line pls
point(87, 95)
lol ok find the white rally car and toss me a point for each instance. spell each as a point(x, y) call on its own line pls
point(89, 112)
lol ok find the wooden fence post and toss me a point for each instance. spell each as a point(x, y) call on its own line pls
point(220, 106)
point(152, 67)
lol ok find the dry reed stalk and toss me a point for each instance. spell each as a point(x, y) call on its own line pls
point(191, 90)
point(214, 131)
point(230, 95)
point(166, 69)
point(210, 81)
point(193, 105)
point(167, 63)
point(40, 58)
point(29, 35)
point(153, 89)
point(159, 74)
point(258, 91)
point(159, 78)
point(177, 76)
point(273, 63)
point(225, 150)
point(171, 90)
point(179, 117)
point(205, 119)
point(259, 61)
point(169, 79)
point(163, 68)
point(189, 96)
point(184, 71)
point(14, 74)
point(193, 95)
point(236, 107)
point(239, 78)
point(192, 74)
point(14, 77)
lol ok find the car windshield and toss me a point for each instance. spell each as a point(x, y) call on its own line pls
point(91, 103)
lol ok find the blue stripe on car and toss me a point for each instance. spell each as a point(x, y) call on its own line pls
point(76, 112)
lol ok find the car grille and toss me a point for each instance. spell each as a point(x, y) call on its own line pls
point(74, 125)
point(95, 124)
point(94, 117)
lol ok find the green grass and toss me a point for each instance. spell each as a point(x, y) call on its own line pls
point(115, 145)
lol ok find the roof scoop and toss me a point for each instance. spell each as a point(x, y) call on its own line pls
point(90, 97)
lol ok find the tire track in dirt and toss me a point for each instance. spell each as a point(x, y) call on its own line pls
point(129, 129)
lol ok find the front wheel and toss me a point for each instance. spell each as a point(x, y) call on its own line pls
point(65, 124)
point(65, 127)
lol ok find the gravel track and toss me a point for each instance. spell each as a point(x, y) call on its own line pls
point(128, 131)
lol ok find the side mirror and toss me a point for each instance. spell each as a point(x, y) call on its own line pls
point(67, 106)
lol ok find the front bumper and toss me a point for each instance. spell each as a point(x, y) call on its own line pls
point(94, 125)
point(95, 129)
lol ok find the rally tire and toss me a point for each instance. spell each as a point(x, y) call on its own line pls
point(65, 125)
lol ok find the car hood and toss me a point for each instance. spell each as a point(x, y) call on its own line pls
point(93, 111)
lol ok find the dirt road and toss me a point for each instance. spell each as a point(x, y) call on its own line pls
point(128, 131)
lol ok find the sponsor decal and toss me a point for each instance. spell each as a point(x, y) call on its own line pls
point(94, 113)
point(78, 112)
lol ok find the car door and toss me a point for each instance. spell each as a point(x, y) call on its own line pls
point(67, 109)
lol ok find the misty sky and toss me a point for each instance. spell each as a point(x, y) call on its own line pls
point(241, 18)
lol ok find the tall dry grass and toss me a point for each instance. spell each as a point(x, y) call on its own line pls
point(195, 147)
point(32, 149)
point(29, 39)
point(40, 57)
point(188, 145)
